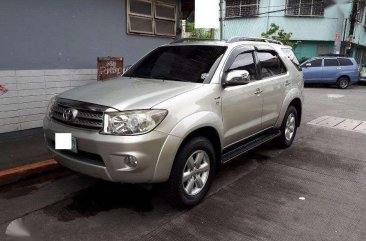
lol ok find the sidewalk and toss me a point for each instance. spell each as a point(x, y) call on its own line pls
point(22, 148)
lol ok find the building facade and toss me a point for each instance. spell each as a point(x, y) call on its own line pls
point(322, 26)
point(48, 47)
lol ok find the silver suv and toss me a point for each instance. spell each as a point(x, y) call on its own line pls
point(178, 114)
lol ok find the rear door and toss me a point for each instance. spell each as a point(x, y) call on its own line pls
point(331, 70)
point(274, 83)
point(313, 70)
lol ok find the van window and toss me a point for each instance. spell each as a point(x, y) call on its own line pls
point(345, 62)
point(330, 62)
point(316, 63)
point(270, 64)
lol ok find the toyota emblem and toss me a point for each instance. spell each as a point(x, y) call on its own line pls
point(69, 114)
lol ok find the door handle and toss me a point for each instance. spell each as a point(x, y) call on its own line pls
point(287, 83)
point(258, 91)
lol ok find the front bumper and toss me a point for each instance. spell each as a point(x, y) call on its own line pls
point(102, 156)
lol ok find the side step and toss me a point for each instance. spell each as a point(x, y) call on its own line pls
point(248, 145)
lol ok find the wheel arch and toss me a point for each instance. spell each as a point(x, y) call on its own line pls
point(298, 106)
point(212, 135)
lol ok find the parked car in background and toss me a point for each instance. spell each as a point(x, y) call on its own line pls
point(341, 71)
point(363, 74)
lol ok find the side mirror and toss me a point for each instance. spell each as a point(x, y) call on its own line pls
point(237, 77)
point(308, 65)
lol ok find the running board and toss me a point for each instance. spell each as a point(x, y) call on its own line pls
point(249, 145)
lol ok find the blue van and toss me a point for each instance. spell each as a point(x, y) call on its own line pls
point(341, 71)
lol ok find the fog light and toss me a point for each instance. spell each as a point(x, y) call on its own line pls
point(131, 161)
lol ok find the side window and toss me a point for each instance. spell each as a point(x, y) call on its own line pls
point(270, 63)
point(245, 61)
point(316, 63)
point(330, 62)
point(345, 62)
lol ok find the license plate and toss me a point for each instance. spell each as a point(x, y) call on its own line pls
point(74, 146)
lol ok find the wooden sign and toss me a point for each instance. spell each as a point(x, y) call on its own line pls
point(109, 67)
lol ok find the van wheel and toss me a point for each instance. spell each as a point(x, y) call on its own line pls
point(192, 173)
point(288, 127)
point(343, 83)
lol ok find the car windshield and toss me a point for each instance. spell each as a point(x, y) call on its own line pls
point(188, 63)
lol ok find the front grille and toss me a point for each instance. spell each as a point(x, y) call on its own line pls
point(89, 116)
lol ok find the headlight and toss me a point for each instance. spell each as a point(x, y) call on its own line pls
point(132, 122)
point(49, 107)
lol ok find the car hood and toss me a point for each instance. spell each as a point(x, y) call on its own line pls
point(129, 93)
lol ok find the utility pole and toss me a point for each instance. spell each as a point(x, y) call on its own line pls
point(221, 19)
point(352, 22)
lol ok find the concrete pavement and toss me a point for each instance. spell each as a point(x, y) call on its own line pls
point(314, 190)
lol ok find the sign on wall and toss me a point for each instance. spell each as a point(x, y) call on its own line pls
point(109, 67)
point(3, 90)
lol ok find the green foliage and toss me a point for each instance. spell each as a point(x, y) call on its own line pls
point(274, 32)
point(201, 33)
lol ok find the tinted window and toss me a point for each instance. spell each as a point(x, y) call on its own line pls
point(345, 62)
point(330, 62)
point(270, 64)
point(180, 63)
point(245, 61)
point(316, 63)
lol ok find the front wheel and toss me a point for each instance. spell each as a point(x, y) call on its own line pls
point(288, 127)
point(343, 83)
point(192, 173)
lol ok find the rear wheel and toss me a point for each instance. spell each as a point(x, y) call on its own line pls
point(192, 173)
point(288, 127)
point(343, 83)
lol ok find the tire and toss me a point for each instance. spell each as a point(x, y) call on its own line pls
point(288, 127)
point(175, 190)
point(343, 82)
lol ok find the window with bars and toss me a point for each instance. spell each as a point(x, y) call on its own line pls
point(360, 11)
point(305, 8)
point(241, 8)
point(151, 17)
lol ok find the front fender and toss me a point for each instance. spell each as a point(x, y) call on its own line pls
point(185, 127)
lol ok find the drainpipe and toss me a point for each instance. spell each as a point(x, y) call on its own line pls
point(221, 19)
point(268, 10)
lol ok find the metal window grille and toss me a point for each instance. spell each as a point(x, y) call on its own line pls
point(305, 8)
point(241, 8)
point(151, 17)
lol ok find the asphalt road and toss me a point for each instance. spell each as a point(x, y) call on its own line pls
point(315, 190)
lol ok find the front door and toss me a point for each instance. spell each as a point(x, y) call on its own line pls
point(313, 70)
point(242, 104)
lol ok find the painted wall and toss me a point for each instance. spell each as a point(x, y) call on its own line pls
point(303, 28)
point(67, 34)
point(308, 49)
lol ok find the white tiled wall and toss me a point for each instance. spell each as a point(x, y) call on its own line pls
point(25, 103)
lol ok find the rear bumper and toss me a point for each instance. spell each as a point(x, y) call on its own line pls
point(103, 156)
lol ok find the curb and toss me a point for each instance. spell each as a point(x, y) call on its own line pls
point(22, 172)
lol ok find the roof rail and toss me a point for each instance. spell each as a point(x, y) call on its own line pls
point(332, 55)
point(187, 40)
point(266, 40)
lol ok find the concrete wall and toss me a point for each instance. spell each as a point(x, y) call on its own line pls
point(66, 34)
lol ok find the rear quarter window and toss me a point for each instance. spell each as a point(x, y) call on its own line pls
point(345, 62)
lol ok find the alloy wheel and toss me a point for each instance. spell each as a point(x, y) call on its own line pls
point(290, 127)
point(196, 172)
